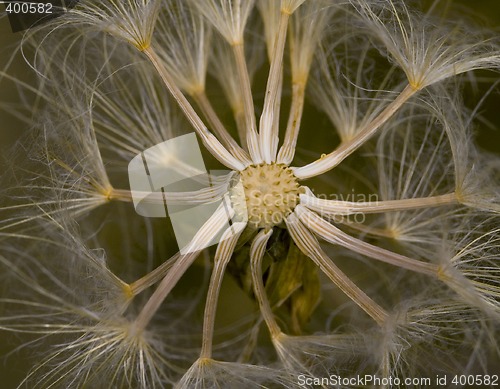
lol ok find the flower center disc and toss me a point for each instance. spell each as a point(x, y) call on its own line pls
point(271, 193)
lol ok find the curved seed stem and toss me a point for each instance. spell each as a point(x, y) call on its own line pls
point(268, 131)
point(308, 244)
point(336, 207)
point(331, 160)
point(202, 238)
point(213, 119)
point(287, 150)
point(222, 257)
point(252, 139)
point(153, 277)
point(332, 234)
point(208, 139)
point(256, 254)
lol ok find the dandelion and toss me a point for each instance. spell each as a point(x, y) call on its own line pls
point(393, 293)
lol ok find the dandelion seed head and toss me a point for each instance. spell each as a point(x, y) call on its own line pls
point(413, 279)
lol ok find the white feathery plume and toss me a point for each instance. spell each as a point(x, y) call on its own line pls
point(130, 20)
point(429, 50)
